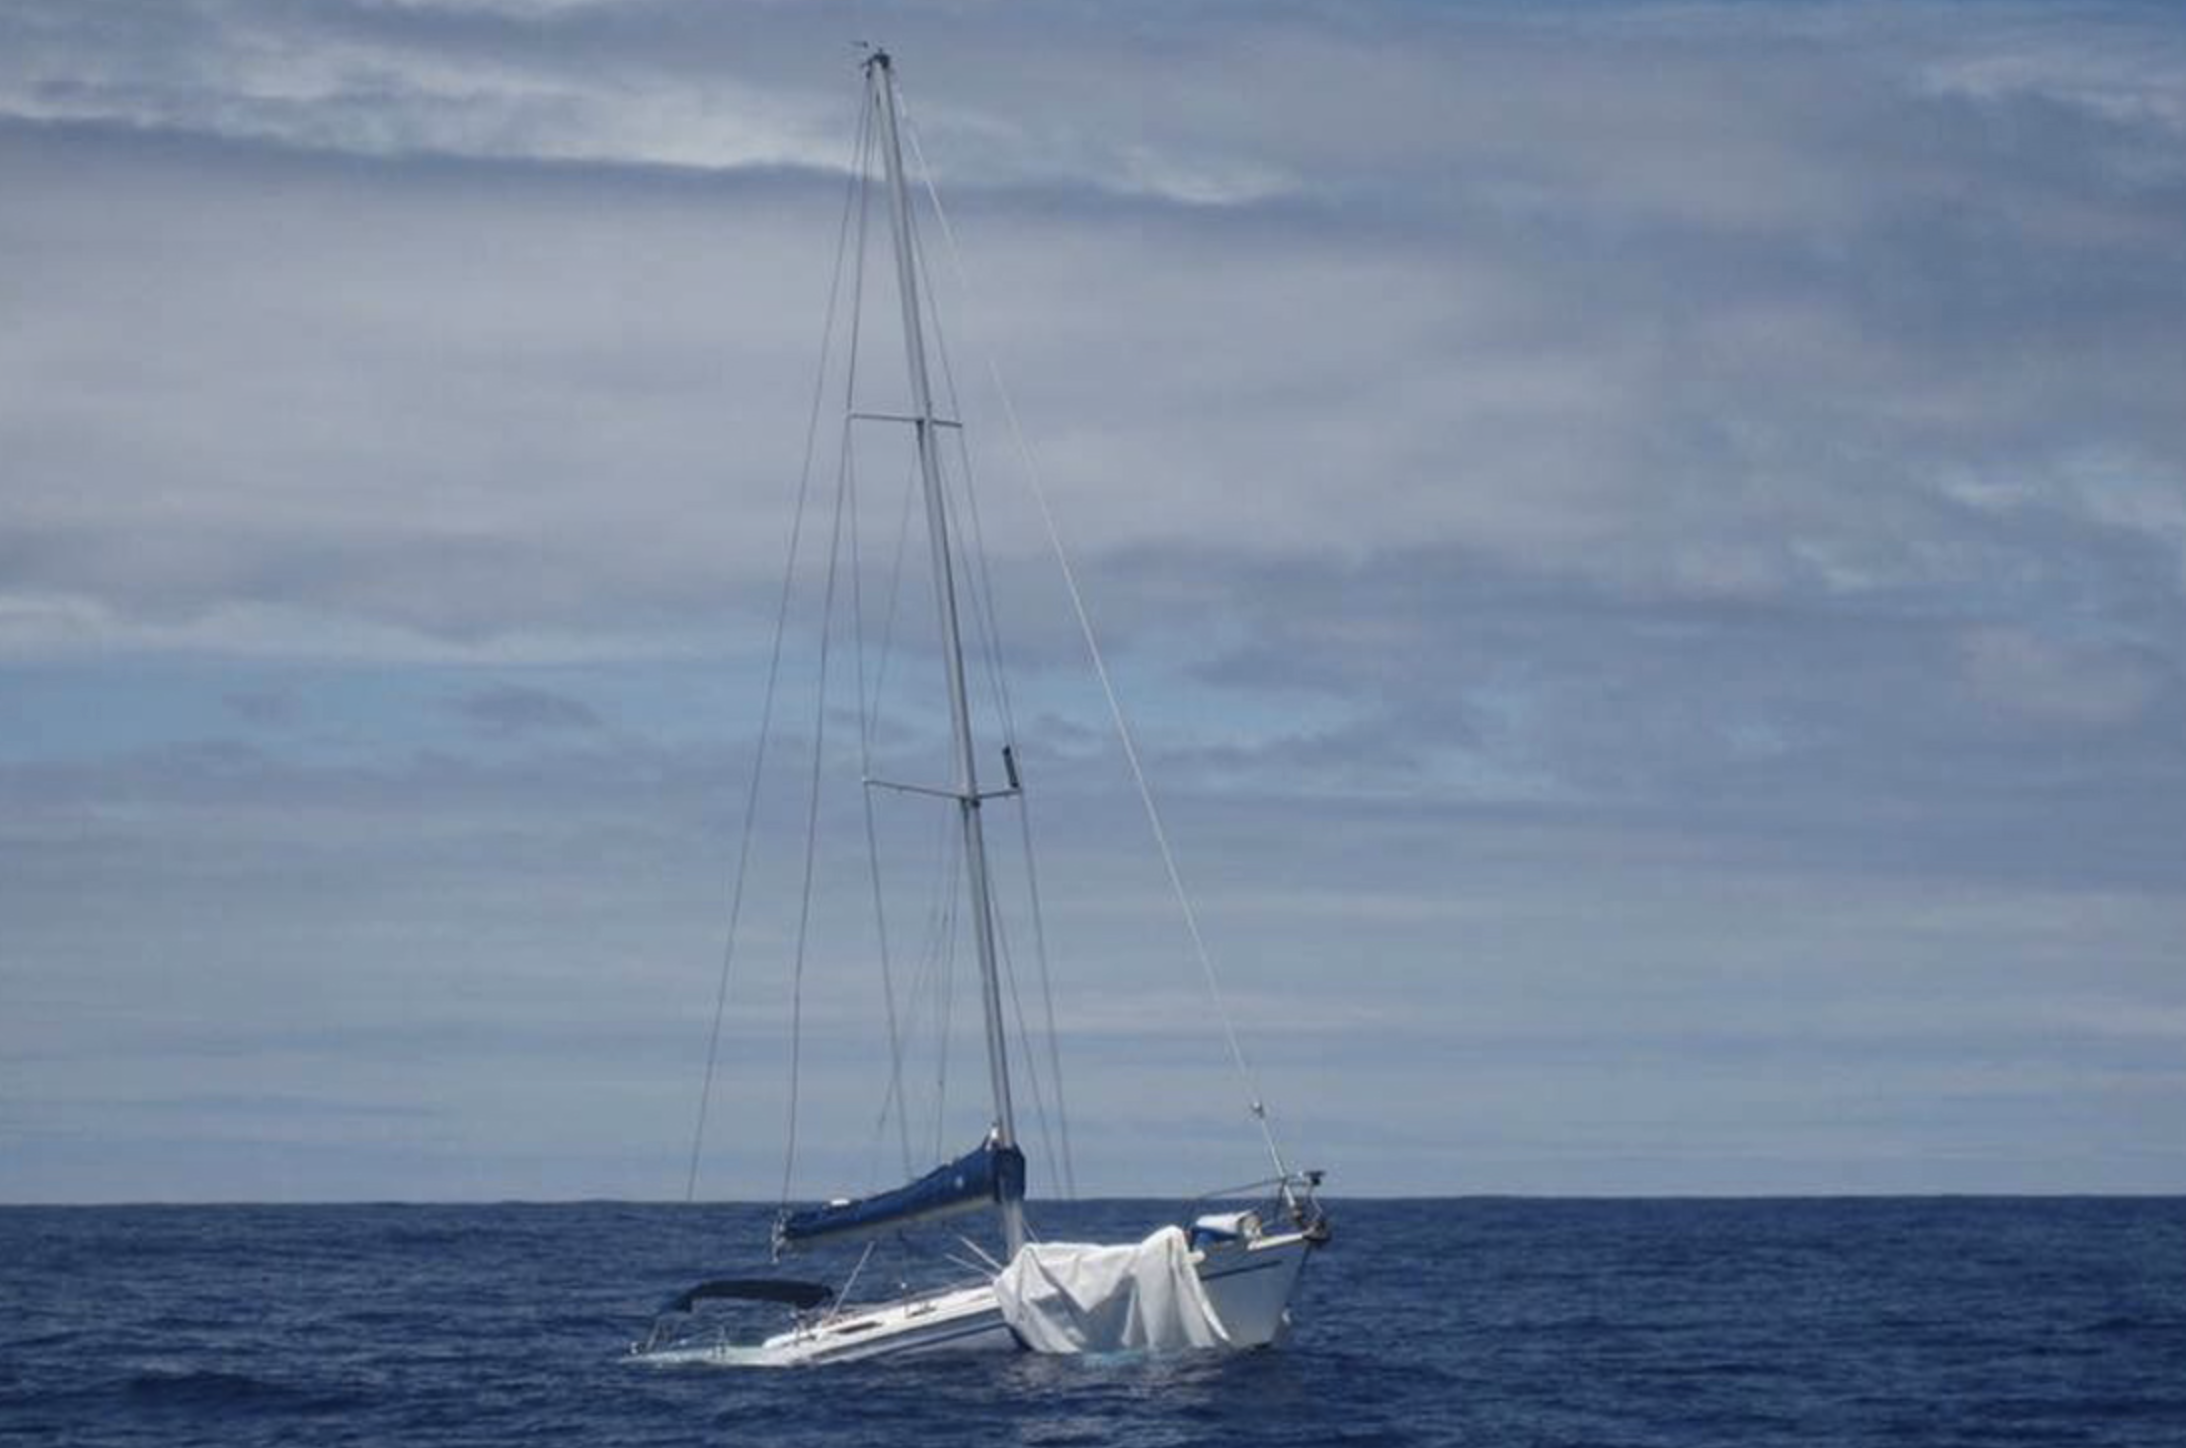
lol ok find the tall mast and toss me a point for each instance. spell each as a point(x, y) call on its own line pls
point(881, 75)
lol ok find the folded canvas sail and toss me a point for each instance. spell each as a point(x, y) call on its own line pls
point(1066, 1297)
point(987, 1177)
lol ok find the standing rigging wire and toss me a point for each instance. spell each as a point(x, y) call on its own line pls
point(865, 717)
point(987, 632)
point(924, 987)
point(971, 553)
point(1047, 995)
point(774, 656)
point(986, 624)
point(870, 700)
point(986, 629)
point(928, 1004)
point(945, 988)
point(869, 707)
point(1256, 1103)
point(812, 833)
point(896, 1100)
point(873, 873)
point(895, 595)
point(986, 621)
point(1024, 1033)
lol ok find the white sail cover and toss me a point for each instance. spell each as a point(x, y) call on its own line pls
point(1071, 1297)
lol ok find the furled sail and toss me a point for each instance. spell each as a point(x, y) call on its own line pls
point(986, 1177)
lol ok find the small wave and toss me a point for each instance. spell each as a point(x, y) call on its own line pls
point(425, 1235)
point(2130, 1326)
point(199, 1389)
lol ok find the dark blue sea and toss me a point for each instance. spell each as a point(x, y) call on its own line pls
point(1474, 1321)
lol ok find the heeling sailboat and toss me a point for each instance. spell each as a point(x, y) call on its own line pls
point(1223, 1280)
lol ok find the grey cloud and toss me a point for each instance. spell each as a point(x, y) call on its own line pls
point(1612, 521)
point(1476, 950)
point(1753, 404)
point(261, 706)
point(509, 710)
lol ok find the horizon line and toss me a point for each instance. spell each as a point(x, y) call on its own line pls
point(1391, 1198)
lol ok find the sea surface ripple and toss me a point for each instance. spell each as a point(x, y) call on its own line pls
point(1470, 1321)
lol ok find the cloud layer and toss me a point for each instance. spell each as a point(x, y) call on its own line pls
point(1647, 543)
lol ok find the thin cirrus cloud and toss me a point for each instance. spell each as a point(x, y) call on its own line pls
point(1647, 544)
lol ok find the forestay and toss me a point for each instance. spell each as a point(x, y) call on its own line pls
point(1068, 1297)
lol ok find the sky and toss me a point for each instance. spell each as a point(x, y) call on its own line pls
point(1645, 546)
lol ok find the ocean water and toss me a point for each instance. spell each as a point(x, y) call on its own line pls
point(1472, 1321)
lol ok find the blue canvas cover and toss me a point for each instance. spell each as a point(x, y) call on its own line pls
point(984, 1177)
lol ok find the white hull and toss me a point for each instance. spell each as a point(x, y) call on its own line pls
point(1249, 1284)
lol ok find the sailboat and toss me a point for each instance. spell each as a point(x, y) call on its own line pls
point(1221, 1279)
